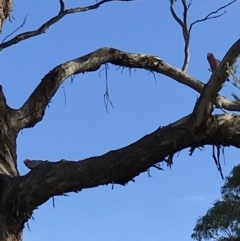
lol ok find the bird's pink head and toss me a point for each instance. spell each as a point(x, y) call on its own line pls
point(210, 56)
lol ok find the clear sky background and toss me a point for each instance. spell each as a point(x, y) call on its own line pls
point(164, 207)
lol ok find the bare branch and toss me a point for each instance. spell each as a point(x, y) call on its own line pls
point(49, 179)
point(210, 15)
point(217, 159)
point(34, 108)
point(186, 31)
point(106, 96)
point(204, 106)
point(185, 11)
point(158, 167)
point(178, 20)
point(24, 21)
point(184, 27)
point(189, 4)
point(186, 36)
point(62, 13)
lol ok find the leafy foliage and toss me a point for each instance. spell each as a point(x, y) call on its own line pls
point(222, 220)
point(231, 187)
point(233, 72)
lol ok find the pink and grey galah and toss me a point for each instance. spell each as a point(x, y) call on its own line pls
point(213, 62)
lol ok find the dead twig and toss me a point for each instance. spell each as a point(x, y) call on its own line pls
point(209, 16)
point(106, 96)
point(169, 160)
point(186, 35)
point(23, 23)
point(62, 13)
point(157, 166)
point(217, 159)
point(186, 31)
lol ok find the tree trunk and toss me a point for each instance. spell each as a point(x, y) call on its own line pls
point(5, 9)
point(11, 218)
point(5, 235)
point(11, 221)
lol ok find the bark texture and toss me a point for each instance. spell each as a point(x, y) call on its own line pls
point(5, 10)
point(21, 195)
point(10, 226)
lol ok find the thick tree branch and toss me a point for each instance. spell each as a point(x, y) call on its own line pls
point(34, 108)
point(121, 166)
point(204, 107)
point(62, 13)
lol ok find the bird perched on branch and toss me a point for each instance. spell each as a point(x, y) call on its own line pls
point(213, 62)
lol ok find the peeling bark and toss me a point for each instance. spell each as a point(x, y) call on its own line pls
point(5, 10)
point(34, 108)
point(21, 195)
point(10, 225)
point(8, 135)
point(48, 179)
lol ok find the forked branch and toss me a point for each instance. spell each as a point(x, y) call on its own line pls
point(187, 30)
point(212, 15)
point(62, 13)
point(204, 106)
point(186, 34)
point(34, 108)
point(47, 179)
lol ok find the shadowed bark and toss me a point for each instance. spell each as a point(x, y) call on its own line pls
point(21, 195)
point(10, 227)
point(8, 135)
point(47, 179)
point(34, 108)
point(5, 10)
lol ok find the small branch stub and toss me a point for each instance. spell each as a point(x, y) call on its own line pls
point(32, 164)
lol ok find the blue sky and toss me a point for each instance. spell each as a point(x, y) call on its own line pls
point(163, 207)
